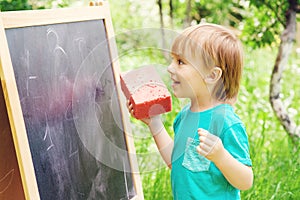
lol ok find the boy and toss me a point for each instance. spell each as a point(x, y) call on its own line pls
point(209, 156)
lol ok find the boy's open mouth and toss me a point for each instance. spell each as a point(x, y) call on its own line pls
point(175, 81)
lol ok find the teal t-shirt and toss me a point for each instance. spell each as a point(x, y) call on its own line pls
point(195, 177)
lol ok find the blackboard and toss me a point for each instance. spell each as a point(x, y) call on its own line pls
point(67, 86)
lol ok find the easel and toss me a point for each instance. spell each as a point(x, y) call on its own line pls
point(20, 162)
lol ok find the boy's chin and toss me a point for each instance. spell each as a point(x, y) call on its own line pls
point(177, 95)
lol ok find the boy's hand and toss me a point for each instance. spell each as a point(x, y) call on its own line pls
point(154, 123)
point(210, 146)
point(130, 109)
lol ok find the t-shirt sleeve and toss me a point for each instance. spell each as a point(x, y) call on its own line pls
point(176, 122)
point(235, 140)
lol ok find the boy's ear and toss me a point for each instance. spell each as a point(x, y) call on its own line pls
point(214, 75)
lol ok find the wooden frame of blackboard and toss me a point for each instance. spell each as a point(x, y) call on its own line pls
point(19, 19)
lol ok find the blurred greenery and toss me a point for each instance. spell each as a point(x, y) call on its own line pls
point(9, 5)
point(276, 159)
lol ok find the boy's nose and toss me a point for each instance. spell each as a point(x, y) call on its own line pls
point(171, 69)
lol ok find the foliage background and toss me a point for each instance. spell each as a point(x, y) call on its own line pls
point(276, 159)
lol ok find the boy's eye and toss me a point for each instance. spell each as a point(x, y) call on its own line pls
point(180, 62)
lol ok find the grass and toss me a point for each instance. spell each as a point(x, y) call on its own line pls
point(276, 159)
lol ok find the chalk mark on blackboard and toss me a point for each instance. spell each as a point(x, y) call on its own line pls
point(81, 194)
point(59, 59)
point(31, 77)
point(106, 87)
point(107, 83)
point(72, 153)
point(57, 47)
point(27, 83)
point(47, 133)
point(7, 178)
point(49, 32)
point(69, 116)
point(81, 45)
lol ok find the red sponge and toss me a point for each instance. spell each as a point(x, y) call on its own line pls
point(146, 92)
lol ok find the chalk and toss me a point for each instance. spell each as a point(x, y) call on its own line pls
point(146, 92)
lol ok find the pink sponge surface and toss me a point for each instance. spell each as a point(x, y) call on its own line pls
point(146, 92)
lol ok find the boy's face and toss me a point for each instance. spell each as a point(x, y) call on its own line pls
point(187, 79)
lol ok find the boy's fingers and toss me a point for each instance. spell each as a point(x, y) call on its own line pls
point(202, 132)
point(205, 147)
point(203, 135)
point(206, 141)
point(129, 105)
point(201, 151)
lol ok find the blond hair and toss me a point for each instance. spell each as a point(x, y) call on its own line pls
point(214, 46)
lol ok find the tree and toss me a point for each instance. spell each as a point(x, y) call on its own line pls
point(274, 23)
point(8, 5)
point(287, 39)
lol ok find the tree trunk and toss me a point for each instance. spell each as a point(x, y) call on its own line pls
point(171, 14)
point(162, 28)
point(188, 18)
point(287, 40)
point(161, 17)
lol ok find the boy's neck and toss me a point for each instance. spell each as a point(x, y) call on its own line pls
point(199, 106)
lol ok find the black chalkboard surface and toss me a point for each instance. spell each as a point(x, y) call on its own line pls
point(70, 106)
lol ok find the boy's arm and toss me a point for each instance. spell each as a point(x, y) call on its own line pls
point(162, 139)
point(236, 173)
